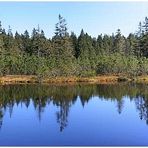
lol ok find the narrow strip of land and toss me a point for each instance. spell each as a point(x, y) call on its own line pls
point(23, 79)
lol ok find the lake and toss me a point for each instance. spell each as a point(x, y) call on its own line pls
point(74, 115)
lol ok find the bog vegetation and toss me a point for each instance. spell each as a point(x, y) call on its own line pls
point(66, 54)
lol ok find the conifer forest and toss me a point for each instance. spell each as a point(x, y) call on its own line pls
point(66, 54)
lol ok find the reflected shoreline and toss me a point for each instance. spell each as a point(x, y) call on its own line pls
point(65, 96)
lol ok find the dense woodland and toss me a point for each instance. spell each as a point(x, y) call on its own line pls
point(66, 54)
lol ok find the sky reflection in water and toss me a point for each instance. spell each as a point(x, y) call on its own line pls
point(37, 115)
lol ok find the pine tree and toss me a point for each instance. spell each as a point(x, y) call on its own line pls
point(139, 35)
point(100, 47)
point(131, 45)
point(74, 44)
point(26, 42)
point(119, 43)
point(63, 50)
point(1, 39)
point(35, 42)
point(144, 40)
point(87, 57)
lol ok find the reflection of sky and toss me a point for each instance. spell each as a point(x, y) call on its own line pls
point(97, 123)
point(95, 18)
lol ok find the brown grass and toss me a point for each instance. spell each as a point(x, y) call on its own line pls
point(9, 79)
point(142, 79)
point(104, 79)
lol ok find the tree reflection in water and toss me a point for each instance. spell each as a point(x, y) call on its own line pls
point(64, 96)
point(142, 106)
point(1, 114)
point(62, 115)
point(120, 105)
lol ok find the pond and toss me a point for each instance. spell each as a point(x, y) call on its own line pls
point(74, 115)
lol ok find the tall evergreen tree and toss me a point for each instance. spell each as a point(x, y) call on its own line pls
point(63, 49)
point(74, 41)
point(119, 43)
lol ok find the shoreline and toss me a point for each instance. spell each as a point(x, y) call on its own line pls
point(102, 79)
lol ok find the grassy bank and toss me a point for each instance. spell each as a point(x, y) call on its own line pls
point(17, 79)
point(141, 79)
point(14, 79)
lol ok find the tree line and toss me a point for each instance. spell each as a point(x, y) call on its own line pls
point(66, 54)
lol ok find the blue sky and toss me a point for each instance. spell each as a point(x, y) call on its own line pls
point(94, 17)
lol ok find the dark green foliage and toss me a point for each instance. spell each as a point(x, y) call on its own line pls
point(69, 55)
point(63, 50)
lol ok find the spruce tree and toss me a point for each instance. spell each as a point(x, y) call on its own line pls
point(63, 49)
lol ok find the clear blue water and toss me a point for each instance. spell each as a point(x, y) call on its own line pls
point(74, 115)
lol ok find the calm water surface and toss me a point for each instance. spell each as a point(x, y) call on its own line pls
point(74, 115)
